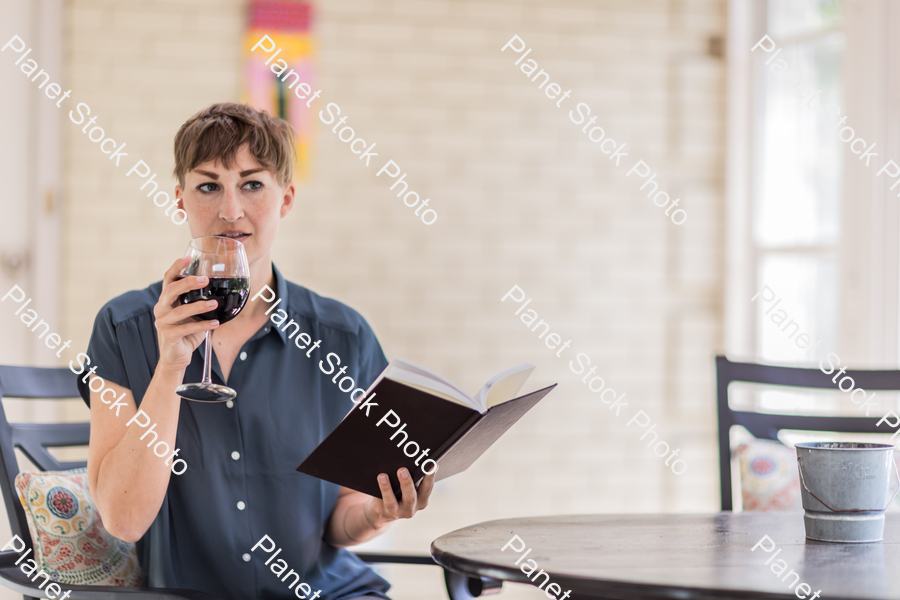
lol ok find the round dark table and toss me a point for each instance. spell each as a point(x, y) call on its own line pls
point(676, 556)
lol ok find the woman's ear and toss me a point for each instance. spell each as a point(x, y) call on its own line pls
point(179, 197)
point(287, 201)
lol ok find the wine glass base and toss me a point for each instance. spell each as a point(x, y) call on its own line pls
point(205, 392)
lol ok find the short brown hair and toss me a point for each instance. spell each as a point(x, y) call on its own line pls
point(219, 131)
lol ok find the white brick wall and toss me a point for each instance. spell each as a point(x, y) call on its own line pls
point(523, 199)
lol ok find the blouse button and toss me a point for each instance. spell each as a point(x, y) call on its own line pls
point(230, 403)
point(243, 356)
point(235, 455)
point(241, 505)
point(246, 557)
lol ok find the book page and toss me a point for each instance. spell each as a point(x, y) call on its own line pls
point(421, 378)
point(500, 388)
point(503, 386)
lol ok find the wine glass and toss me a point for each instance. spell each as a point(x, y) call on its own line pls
point(224, 261)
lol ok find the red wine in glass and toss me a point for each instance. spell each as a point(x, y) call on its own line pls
point(230, 292)
point(224, 261)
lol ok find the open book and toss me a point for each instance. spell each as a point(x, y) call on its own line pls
point(414, 418)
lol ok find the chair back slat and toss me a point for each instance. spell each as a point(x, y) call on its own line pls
point(37, 382)
point(34, 383)
point(806, 377)
point(33, 441)
point(767, 426)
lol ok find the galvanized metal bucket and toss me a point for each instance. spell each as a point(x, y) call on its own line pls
point(845, 489)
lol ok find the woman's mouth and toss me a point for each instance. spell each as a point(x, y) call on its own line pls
point(236, 235)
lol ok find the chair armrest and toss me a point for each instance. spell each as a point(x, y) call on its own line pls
point(405, 559)
point(14, 579)
point(459, 586)
point(8, 558)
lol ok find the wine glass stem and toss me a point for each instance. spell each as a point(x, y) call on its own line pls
point(207, 358)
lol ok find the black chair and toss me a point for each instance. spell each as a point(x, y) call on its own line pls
point(34, 439)
point(767, 426)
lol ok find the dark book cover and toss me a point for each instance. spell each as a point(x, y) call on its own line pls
point(424, 428)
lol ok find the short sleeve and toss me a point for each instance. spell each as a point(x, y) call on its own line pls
point(104, 353)
point(371, 357)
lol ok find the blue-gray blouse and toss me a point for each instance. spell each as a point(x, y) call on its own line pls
point(241, 481)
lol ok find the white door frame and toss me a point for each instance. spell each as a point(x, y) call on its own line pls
point(30, 166)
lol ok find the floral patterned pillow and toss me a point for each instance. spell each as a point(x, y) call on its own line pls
point(769, 476)
point(70, 542)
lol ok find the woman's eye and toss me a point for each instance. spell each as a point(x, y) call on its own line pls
point(208, 187)
point(253, 185)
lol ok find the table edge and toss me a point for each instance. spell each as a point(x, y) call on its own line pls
point(601, 587)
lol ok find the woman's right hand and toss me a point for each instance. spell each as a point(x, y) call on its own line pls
point(178, 332)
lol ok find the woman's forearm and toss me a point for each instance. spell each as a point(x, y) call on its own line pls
point(358, 517)
point(352, 523)
point(132, 480)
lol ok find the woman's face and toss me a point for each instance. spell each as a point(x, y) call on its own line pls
point(244, 202)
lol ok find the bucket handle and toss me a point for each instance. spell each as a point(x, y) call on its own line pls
point(800, 468)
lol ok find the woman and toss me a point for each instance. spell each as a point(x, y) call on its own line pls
point(197, 530)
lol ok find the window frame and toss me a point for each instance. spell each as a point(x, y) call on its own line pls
point(868, 327)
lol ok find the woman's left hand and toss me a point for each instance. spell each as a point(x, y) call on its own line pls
point(379, 512)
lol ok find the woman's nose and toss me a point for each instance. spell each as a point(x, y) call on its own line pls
point(231, 208)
